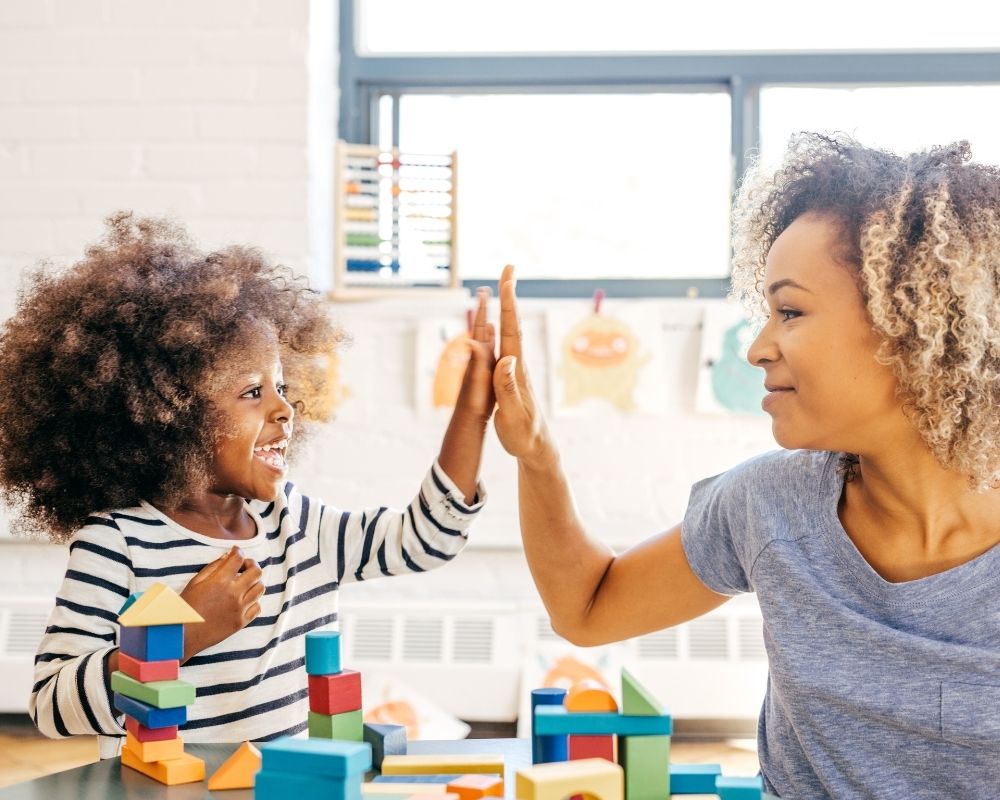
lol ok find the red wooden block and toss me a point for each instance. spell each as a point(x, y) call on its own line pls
point(144, 734)
point(592, 747)
point(147, 671)
point(335, 694)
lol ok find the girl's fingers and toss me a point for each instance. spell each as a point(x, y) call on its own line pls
point(250, 613)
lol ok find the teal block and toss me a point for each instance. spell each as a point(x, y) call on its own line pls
point(131, 599)
point(323, 653)
point(386, 740)
point(556, 720)
point(326, 757)
point(729, 788)
point(693, 778)
point(276, 785)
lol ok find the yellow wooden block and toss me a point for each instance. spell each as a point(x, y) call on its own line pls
point(186, 769)
point(596, 777)
point(589, 695)
point(159, 605)
point(155, 751)
point(237, 771)
point(443, 764)
point(435, 789)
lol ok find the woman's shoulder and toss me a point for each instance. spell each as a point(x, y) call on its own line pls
point(778, 473)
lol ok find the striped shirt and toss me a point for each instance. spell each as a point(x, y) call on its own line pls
point(251, 686)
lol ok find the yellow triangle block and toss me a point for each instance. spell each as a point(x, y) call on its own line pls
point(159, 605)
point(237, 771)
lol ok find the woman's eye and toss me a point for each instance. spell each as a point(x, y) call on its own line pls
point(788, 314)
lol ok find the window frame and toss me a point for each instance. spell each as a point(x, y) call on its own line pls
point(364, 78)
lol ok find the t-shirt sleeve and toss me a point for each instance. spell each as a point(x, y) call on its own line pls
point(715, 533)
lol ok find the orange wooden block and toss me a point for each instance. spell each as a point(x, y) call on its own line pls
point(186, 769)
point(237, 771)
point(149, 752)
point(589, 695)
point(472, 787)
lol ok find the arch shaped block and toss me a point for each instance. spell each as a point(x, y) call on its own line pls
point(594, 776)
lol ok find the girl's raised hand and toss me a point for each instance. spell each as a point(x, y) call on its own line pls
point(519, 422)
point(476, 400)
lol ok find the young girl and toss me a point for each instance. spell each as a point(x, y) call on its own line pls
point(155, 394)
point(870, 541)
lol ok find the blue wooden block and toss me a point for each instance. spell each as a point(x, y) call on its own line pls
point(386, 740)
point(277, 785)
point(546, 749)
point(414, 778)
point(729, 788)
point(152, 642)
point(323, 653)
point(325, 757)
point(693, 778)
point(556, 719)
point(150, 716)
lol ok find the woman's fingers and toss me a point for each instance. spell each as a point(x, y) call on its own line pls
point(510, 323)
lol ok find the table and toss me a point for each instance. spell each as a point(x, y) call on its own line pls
point(108, 780)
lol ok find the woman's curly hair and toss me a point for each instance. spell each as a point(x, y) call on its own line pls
point(107, 367)
point(922, 234)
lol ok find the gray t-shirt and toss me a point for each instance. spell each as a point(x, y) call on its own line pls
point(875, 689)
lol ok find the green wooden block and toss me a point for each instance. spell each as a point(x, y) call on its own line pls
point(348, 726)
point(646, 761)
point(637, 700)
point(162, 694)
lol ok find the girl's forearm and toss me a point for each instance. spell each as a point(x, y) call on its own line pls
point(462, 452)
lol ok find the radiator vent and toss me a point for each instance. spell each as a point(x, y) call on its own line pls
point(472, 641)
point(544, 632)
point(423, 639)
point(708, 639)
point(660, 646)
point(751, 639)
point(24, 631)
point(372, 639)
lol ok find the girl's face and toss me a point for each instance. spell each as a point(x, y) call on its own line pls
point(250, 456)
point(825, 389)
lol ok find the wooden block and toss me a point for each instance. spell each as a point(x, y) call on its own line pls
point(148, 671)
point(277, 785)
point(456, 764)
point(348, 726)
point(335, 694)
point(545, 749)
point(161, 694)
point(589, 695)
point(593, 776)
point(593, 747)
point(730, 788)
point(155, 643)
point(128, 603)
point(646, 761)
point(557, 720)
point(237, 771)
point(472, 787)
point(150, 716)
point(435, 777)
point(693, 778)
point(186, 769)
point(155, 751)
point(158, 605)
point(386, 740)
point(637, 701)
point(144, 734)
point(316, 756)
point(407, 790)
point(323, 653)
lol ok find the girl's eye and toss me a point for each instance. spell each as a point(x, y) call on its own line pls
point(253, 393)
point(283, 389)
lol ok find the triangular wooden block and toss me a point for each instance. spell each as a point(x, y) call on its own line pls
point(238, 771)
point(159, 605)
point(637, 700)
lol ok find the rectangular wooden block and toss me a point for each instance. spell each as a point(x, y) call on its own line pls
point(433, 778)
point(550, 720)
point(320, 756)
point(335, 694)
point(162, 694)
point(732, 788)
point(150, 716)
point(155, 751)
point(487, 763)
point(693, 778)
point(473, 787)
point(274, 785)
point(386, 740)
point(186, 769)
point(152, 643)
point(646, 761)
point(387, 791)
point(348, 726)
point(323, 653)
point(148, 671)
point(144, 734)
point(593, 747)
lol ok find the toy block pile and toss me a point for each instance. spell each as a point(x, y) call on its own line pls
point(334, 693)
point(146, 686)
point(312, 769)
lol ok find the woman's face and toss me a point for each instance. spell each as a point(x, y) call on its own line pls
point(825, 389)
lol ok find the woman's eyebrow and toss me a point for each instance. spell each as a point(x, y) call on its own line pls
point(786, 282)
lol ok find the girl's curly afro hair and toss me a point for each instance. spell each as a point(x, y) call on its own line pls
point(107, 366)
point(921, 233)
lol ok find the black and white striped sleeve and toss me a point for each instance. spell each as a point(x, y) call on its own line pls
point(381, 541)
point(72, 694)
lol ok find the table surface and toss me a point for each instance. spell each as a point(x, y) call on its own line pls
point(109, 780)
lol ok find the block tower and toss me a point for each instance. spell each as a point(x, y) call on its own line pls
point(334, 693)
point(146, 688)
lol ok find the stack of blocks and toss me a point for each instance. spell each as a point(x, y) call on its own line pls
point(334, 693)
point(146, 686)
point(312, 769)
